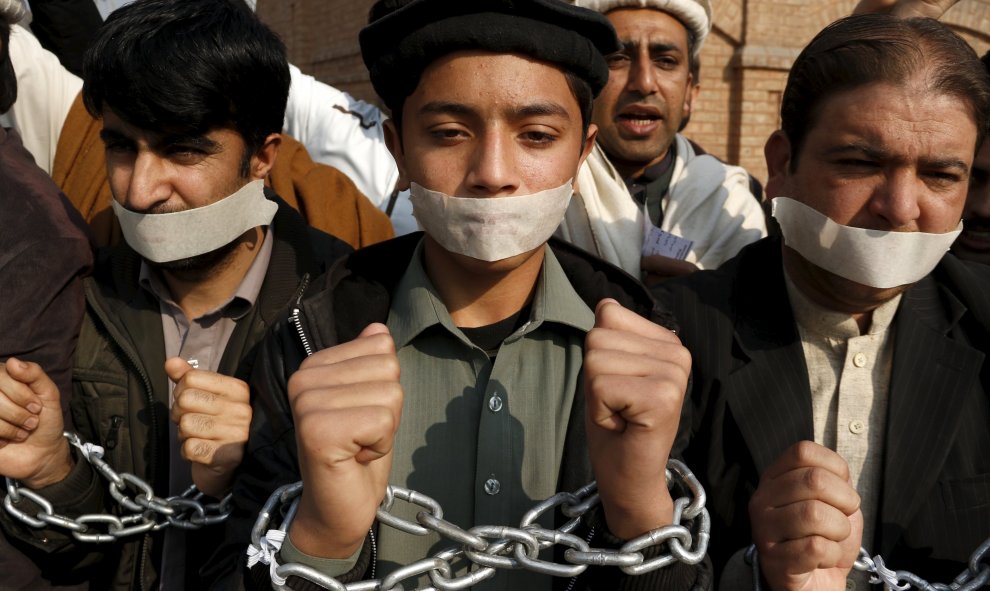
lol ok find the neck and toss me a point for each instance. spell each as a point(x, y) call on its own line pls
point(632, 170)
point(836, 293)
point(478, 293)
point(198, 292)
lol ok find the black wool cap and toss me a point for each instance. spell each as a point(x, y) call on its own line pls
point(398, 47)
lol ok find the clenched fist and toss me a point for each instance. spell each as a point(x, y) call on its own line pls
point(32, 448)
point(635, 377)
point(346, 402)
point(213, 414)
point(807, 525)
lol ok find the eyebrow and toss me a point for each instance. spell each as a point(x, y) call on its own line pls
point(193, 140)
point(655, 47)
point(881, 154)
point(537, 109)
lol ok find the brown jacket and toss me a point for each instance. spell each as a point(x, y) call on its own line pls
point(325, 197)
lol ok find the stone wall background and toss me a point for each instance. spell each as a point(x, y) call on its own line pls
point(743, 65)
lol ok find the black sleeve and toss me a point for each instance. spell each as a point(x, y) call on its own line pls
point(66, 28)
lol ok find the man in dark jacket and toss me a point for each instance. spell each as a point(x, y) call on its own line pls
point(526, 367)
point(191, 95)
point(840, 379)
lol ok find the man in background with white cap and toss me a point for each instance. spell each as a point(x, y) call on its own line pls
point(706, 204)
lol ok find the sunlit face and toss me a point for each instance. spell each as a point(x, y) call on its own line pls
point(881, 156)
point(974, 242)
point(649, 89)
point(160, 173)
point(490, 125)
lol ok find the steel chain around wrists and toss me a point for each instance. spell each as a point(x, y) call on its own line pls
point(491, 548)
point(141, 511)
point(976, 576)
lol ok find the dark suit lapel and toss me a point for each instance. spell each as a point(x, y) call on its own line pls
point(769, 391)
point(931, 373)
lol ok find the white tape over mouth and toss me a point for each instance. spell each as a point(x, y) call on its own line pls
point(490, 228)
point(877, 258)
point(166, 237)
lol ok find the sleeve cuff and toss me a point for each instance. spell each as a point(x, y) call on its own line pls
point(332, 567)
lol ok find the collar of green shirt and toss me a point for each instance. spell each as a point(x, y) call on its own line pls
point(416, 305)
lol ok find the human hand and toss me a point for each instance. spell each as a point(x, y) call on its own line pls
point(807, 525)
point(656, 268)
point(213, 414)
point(346, 402)
point(635, 377)
point(906, 8)
point(32, 448)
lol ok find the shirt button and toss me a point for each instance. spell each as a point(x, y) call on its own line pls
point(492, 486)
point(495, 403)
point(850, 585)
point(857, 426)
point(859, 360)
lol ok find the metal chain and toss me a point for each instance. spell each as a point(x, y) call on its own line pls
point(141, 510)
point(976, 576)
point(491, 548)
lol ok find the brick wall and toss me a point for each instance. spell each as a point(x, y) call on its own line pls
point(743, 65)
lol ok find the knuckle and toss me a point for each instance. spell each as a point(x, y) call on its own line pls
point(815, 479)
point(812, 513)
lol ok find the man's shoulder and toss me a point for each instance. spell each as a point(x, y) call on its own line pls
point(749, 270)
point(594, 279)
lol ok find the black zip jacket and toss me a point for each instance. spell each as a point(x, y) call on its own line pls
point(120, 401)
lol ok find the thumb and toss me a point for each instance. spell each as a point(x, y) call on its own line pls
point(177, 368)
point(32, 376)
point(373, 329)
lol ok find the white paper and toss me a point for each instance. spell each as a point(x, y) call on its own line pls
point(663, 243)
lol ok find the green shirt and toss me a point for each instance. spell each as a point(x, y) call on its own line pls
point(484, 438)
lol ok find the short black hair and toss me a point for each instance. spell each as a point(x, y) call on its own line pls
point(8, 80)
point(869, 48)
point(189, 67)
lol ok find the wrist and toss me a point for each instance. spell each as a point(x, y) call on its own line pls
point(629, 520)
point(313, 535)
point(56, 469)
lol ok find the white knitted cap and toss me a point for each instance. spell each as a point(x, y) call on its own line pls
point(695, 15)
point(11, 11)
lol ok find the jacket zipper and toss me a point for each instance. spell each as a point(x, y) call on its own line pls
point(296, 318)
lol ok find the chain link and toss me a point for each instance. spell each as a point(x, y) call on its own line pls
point(976, 576)
point(141, 510)
point(489, 548)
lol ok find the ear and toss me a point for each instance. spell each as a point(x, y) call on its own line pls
point(777, 152)
point(589, 144)
point(264, 159)
point(692, 95)
point(393, 140)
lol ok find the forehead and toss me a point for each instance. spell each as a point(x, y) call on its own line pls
point(905, 121)
point(493, 79)
point(648, 24)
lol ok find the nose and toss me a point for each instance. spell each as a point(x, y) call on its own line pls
point(493, 168)
point(897, 200)
point(148, 185)
point(642, 77)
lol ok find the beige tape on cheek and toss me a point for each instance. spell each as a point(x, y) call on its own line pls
point(876, 258)
point(167, 237)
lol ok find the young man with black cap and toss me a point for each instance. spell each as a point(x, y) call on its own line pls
point(527, 367)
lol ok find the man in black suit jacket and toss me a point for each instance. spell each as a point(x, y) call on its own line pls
point(855, 334)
